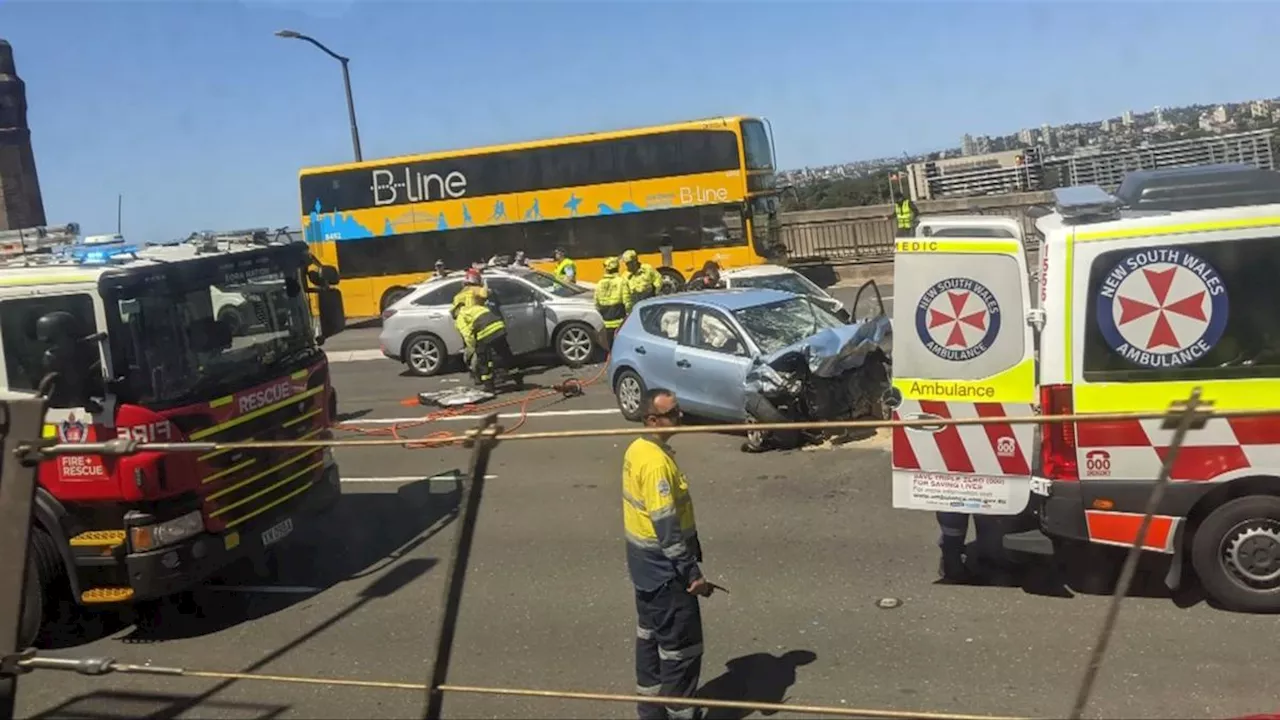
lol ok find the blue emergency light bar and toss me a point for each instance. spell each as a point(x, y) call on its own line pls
point(98, 254)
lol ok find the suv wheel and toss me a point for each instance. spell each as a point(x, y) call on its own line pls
point(424, 355)
point(574, 343)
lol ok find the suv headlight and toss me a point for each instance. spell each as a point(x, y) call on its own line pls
point(152, 537)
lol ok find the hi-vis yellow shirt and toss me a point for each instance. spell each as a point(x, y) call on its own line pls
point(657, 516)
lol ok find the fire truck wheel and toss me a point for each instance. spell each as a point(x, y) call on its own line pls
point(1236, 554)
point(44, 569)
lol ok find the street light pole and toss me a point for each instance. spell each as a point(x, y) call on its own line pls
point(346, 83)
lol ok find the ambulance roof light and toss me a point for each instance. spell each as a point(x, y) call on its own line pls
point(1086, 203)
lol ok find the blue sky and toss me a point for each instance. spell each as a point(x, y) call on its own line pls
point(202, 118)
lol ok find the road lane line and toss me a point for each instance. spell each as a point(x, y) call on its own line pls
point(541, 413)
point(403, 479)
point(269, 589)
point(355, 355)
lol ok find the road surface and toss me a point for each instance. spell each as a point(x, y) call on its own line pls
point(805, 541)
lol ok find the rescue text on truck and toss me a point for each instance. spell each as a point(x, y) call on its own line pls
point(140, 353)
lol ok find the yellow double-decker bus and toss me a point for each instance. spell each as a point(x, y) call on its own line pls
point(678, 194)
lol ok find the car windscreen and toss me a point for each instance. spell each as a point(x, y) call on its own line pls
point(548, 283)
point(777, 325)
point(793, 283)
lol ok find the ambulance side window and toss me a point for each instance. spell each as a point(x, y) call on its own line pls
point(1193, 311)
point(965, 320)
point(24, 354)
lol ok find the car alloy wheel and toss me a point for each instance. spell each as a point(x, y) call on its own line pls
point(424, 356)
point(575, 344)
point(629, 393)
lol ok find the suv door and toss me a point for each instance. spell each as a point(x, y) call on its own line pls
point(711, 365)
point(963, 350)
point(523, 311)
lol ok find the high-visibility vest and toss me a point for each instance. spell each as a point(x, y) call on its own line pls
point(905, 215)
point(563, 268)
point(476, 322)
point(613, 299)
point(645, 282)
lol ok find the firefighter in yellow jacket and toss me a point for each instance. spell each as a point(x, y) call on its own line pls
point(642, 280)
point(471, 282)
point(483, 329)
point(613, 300)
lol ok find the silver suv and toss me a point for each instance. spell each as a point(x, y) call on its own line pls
point(540, 311)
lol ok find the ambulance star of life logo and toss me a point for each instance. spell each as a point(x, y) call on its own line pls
point(958, 319)
point(1162, 307)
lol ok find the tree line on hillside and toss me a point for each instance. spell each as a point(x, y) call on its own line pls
point(821, 194)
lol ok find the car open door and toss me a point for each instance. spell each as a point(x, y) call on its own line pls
point(524, 314)
point(963, 349)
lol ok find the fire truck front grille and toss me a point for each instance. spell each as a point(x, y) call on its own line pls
point(240, 485)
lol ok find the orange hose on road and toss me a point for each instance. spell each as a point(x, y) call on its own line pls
point(561, 391)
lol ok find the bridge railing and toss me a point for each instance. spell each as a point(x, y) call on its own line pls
point(865, 234)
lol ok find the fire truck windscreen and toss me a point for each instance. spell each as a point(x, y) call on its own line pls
point(186, 332)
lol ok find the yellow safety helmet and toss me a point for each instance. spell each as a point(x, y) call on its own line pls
point(630, 256)
point(611, 264)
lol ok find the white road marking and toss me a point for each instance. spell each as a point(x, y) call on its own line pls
point(337, 356)
point(402, 479)
point(270, 589)
point(540, 413)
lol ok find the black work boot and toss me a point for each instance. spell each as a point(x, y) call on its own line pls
point(951, 568)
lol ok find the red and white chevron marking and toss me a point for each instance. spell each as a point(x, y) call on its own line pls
point(1134, 449)
point(992, 449)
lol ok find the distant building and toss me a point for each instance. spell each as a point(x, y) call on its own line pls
point(967, 146)
point(984, 174)
point(1027, 137)
point(1108, 168)
point(1159, 115)
point(1127, 118)
point(1106, 126)
point(20, 203)
point(1260, 109)
point(1046, 136)
point(1219, 115)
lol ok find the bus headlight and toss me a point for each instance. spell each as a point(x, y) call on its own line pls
point(151, 537)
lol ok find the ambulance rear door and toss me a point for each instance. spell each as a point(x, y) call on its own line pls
point(963, 349)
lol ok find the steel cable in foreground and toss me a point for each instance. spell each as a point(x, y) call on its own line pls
point(104, 666)
point(1180, 418)
point(129, 447)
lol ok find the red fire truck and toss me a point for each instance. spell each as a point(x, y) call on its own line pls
point(203, 341)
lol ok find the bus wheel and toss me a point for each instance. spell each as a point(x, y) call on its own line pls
point(672, 280)
point(391, 297)
point(1236, 554)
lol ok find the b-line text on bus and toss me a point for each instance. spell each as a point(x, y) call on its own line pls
point(416, 186)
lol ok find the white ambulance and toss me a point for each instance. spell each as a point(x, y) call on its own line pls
point(1173, 283)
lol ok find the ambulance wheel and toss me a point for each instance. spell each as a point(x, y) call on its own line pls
point(424, 354)
point(44, 570)
point(629, 390)
point(1236, 554)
